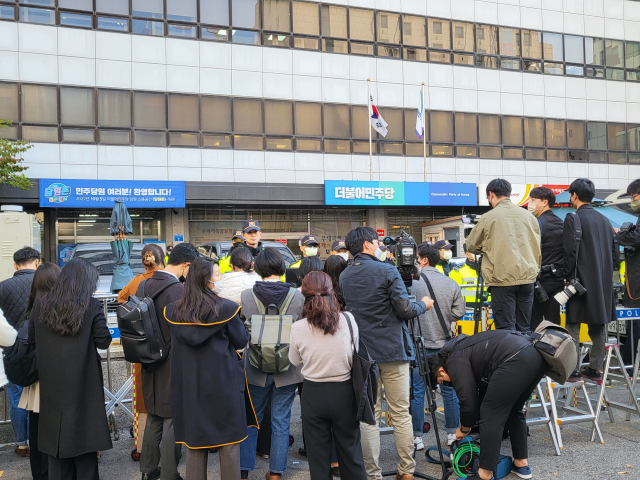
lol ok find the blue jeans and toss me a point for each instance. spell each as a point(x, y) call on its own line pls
point(281, 402)
point(19, 416)
point(449, 397)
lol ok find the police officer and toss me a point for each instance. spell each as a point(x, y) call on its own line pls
point(252, 234)
point(225, 262)
point(340, 248)
point(443, 266)
point(469, 280)
point(309, 247)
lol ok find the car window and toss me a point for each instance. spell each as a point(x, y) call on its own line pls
point(104, 260)
point(288, 257)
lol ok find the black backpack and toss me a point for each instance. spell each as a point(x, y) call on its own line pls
point(140, 333)
point(20, 363)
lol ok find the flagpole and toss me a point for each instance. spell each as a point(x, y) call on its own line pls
point(424, 135)
point(369, 125)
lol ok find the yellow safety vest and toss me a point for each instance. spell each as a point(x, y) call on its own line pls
point(453, 274)
point(623, 269)
point(296, 265)
point(225, 264)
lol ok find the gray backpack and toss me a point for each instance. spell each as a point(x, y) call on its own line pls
point(268, 348)
point(558, 348)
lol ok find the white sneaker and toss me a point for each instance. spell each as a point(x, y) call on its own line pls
point(417, 442)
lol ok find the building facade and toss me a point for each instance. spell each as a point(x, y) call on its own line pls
point(256, 103)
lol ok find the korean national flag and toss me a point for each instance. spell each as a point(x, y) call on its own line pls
point(420, 119)
point(377, 122)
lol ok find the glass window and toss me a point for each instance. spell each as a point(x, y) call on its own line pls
point(441, 126)
point(634, 158)
point(491, 152)
point(279, 144)
point(309, 119)
point(614, 53)
point(387, 51)
point(531, 44)
point(77, 106)
point(442, 150)
point(334, 21)
point(439, 57)
point(215, 114)
point(486, 61)
point(533, 132)
point(512, 153)
point(308, 145)
point(489, 128)
point(573, 49)
point(115, 137)
point(78, 135)
point(214, 11)
point(185, 31)
point(149, 110)
point(360, 124)
point(530, 66)
point(147, 8)
point(534, 154)
point(633, 76)
point(9, 133)
point(245, 13)
point(37, 15)
point(147, 27)
point(633, 137)
point(247, 116)
point(574, 70)
point(388, 27)
point(9, 13)
point(512, 130)
point(414, 31)
point(594, 49)
point(554, 68)
point(361, 48)
point(39, 104)
point(509, 41)
point(150, 139)
point(40, 134)
point(306, 18)
point(616, 136)
point(487, 39)
point(466, 151)
point(245, 36)
point(306, 43)
point(216, 141)
point(393, 116)
point(597, 157)
point(276, 15)
point(417, 54)
point(339, 146)
point(556, 136)
point(576, 134)
point(276, 40)
point(466, 128)
point(415, 149)
point(553, 46)
point(463, 36)
point(214, 33)
point(387, 148)
point(617, 157)
point(114, 108)
point(595, 72)
point(557, 155)
point(615, 74)
point(182, 10)
point(597, 135)
point(183, 112)
point(278, 117)
point(117, 7)
point(462, 59)
point(182, 139)
point(439, 33)
point(410, 125)
point(9, 102)
point(510, 64)
point(361, 24)
point(86, 5)
point(335, 46)
point(336, 121)
point(632, 55)
point(115, 24)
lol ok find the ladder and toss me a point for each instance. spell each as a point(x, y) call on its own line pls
point(546, 419)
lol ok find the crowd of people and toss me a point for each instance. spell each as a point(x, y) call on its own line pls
point(218, 387)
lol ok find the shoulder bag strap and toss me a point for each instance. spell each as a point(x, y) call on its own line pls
point(153, 296)
point(540, 227)
point(475, 339)
point(259, 304)
point(577, 235)
point(443, 324)
point(287, 301)
point(348, 316)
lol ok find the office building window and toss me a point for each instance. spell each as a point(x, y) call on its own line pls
point(77, 106)
point(149, 111)
point(247, 116)
point(39, 104)
point(183, 112)
point(306, 18)
point(214, 11)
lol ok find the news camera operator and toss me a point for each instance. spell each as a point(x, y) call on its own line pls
point(376, 295)
point(551, 226)
point(509, 240)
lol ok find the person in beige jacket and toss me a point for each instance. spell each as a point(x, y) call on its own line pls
point(508, 237)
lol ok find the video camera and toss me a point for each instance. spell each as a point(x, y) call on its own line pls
point(405, 251)
point(471, 219)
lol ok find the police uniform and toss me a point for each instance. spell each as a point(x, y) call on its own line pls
point(443, 266)
point(306, 240)
point(225, 262)
point(250, 226)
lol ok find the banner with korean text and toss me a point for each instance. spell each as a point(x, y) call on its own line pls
point(66, 193)
point(345, 192)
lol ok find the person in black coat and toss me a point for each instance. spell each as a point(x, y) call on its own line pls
point(158, 443)
point(69, 325)
point(594, 266)
point(551, 227)
point(208, 383)
point(493, 374)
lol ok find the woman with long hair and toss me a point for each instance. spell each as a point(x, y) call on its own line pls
point(334, 266)
point(323, 343)
point(43, 281)
point(241, 278)
point(153, 260)
point(68, 327)
point(207, 375)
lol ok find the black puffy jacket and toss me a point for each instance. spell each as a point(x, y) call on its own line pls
point(14, 295)
point(375, 293)
point(551, 246)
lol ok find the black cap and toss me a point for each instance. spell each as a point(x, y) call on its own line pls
point(443, 244)
point(338, 245)
point(251, 225)
point(237, 234)
point(309, 240)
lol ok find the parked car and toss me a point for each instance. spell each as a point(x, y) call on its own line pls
point(221, 249)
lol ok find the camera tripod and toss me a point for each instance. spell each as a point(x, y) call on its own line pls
point(423, 369)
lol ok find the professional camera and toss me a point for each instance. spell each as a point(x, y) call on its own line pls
point(405, 251)
point(548, 270)
point(627, 227)
point(570, 290)
point(539, 292)
point(471, 219)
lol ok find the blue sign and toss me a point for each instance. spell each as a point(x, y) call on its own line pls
point(624, 313)
point(346, 192)
point(178, 238)
point(63, 193)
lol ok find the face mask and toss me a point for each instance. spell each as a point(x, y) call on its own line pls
point(218, 286)
point(345, 256)
point(533, 208)
point(383, 255)
point(378, 254)
point(447, 255)
point(311, 251)
point(635, 205)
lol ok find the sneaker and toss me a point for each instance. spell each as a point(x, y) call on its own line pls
point(418, 443)
point(591, 374)
point(522, 472)
point(575, 377)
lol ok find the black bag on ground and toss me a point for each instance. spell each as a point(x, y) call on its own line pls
point(20, 363)
point(140, 333)
point(364, 375)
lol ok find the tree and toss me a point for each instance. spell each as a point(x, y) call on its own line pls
point(11, 167)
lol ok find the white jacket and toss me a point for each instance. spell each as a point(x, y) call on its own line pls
point(237, 282)
point(7, 338)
